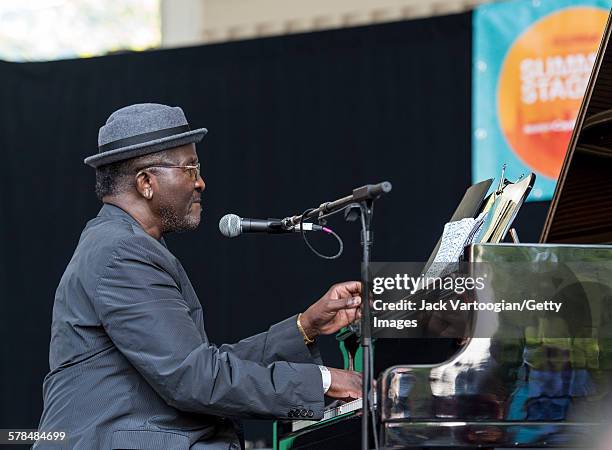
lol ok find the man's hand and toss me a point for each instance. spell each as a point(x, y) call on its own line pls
point(336, 309)
point(345, 384)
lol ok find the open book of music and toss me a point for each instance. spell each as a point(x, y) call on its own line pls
point(489, 224)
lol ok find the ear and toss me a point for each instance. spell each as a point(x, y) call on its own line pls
point(145, 182)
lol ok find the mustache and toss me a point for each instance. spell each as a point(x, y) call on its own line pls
point(197, 199)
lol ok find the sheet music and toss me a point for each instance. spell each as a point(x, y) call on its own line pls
point(456, 236)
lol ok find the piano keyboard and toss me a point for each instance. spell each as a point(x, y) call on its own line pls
point(328, 414)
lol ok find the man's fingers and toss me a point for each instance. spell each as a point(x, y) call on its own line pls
point(343, 303)
point(353, 302)
point(354, 287)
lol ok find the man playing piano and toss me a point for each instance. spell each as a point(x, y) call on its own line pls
point(131, 364)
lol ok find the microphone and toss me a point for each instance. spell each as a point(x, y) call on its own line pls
point(232, 225)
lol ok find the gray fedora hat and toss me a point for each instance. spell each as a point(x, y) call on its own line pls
point(141, 129)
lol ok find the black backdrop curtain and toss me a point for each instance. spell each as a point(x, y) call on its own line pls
point(293, 121)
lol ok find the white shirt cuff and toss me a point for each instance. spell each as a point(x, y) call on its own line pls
point(326, 376)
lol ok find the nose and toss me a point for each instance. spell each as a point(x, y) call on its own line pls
point(199, 184)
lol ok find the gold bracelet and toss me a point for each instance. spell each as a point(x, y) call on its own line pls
point(307, 340)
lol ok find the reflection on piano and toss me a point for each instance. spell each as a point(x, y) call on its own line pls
point(502, 392)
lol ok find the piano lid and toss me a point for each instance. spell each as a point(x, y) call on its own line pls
point(581, 208)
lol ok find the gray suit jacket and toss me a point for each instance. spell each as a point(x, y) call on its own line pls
point(131, 366)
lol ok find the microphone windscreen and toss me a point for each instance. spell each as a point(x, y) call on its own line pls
point(229, 225)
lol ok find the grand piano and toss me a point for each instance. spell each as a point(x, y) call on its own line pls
point(499, 391)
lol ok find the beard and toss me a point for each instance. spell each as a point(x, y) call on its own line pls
point(175, 222)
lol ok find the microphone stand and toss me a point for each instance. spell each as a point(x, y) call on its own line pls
point(359, 195)
point(364, 197)
point(367, 241)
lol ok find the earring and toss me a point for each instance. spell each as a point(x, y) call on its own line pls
point(148, 193)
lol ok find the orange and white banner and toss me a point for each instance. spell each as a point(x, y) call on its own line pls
point(532, 62)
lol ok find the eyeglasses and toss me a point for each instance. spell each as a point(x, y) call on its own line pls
point(193, 170)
